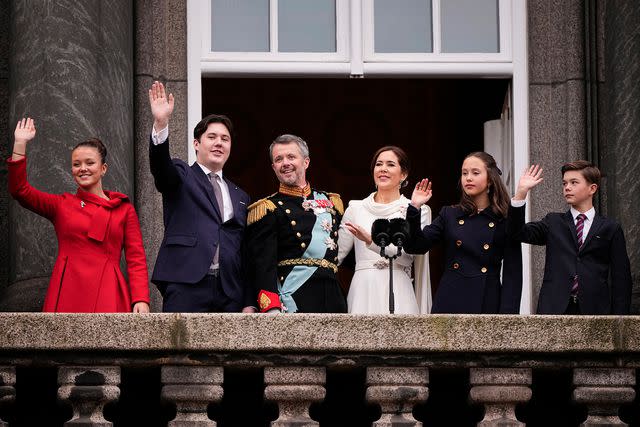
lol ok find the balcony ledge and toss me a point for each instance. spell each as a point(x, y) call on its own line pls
point(320, 333)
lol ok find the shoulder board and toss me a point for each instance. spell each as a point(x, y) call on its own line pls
point(259, 209)
point(337, 202)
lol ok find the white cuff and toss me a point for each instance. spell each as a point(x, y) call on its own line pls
point(159, 137)
point(518, 203)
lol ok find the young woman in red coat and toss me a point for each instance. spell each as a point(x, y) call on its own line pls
point(93, 226)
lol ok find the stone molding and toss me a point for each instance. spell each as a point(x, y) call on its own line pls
point(321, 333)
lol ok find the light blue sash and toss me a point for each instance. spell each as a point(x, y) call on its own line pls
point(301, 273)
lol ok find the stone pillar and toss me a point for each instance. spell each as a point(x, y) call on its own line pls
point(294, 389)
point(499, 390)
point(88, 389)
point(5, 131)
point(621, 125)
point(397, 390)
point(192, 389)
point(7, 388)
point(603, 391)
point(557, 116)
point(161, 54)
point(71, 69)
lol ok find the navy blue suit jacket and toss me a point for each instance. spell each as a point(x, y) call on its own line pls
point(602, 264)
point(193, 226)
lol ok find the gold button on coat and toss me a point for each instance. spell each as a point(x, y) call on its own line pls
point(298, 234)
point(334, 220)
point(293, 223)
point(483, 269)
point(485, 246)
point(303, 245)
point(456, 266)
point(282, 278)
point(491, 225)
point(280, 202)
point(288, 211)
point(458, 242)
point(461, 221)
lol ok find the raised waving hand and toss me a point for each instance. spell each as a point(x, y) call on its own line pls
point(25, 132)
point(161, 105)
point(421, 193)
point(531, 177)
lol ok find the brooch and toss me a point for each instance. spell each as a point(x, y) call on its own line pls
point(82, 203)
point(330, 243)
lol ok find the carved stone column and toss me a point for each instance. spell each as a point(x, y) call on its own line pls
point(88, 389)
point(397, 390)
point(499, 390)
point(192, 389)
point(603, 391)
point(294, 389)
point(7, 390)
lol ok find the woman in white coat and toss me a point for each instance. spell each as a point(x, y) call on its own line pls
point(369, 290)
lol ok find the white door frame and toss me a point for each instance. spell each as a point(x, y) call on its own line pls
point(515, 68)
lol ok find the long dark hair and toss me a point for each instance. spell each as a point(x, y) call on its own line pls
point(498, 194)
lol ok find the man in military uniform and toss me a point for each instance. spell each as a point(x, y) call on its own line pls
point(293, 238)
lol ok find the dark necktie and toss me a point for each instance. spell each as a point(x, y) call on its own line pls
point(579, 234)
point(215, 183)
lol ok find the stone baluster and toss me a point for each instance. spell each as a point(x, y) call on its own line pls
point(397, 390)
point(499, 390)
point(294, 389)
point(192, 389)
point(7, 390)
point(88, 389)
point(603, 391)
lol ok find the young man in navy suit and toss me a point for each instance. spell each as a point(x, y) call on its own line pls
point(587, 268)
point(199, 266)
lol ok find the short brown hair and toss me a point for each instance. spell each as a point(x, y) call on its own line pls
point(403, 160)
point(589, 171)
point(203, 124)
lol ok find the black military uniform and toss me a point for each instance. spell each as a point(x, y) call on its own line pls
point(292, 246)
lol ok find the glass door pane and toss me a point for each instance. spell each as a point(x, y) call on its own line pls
point(470, 26)
point(240, 26)
point(402, 26)
point(306, 25)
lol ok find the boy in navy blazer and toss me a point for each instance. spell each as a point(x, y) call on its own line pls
point(587, 268)
point(200, 265)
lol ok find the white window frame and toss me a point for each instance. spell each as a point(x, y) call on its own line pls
point(340, 55)
point(504, 32)
point(512, 64)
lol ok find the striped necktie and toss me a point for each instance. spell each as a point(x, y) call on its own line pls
point(579, 234)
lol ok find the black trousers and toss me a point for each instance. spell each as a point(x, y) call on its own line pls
point(206, 296)
point(573, 307)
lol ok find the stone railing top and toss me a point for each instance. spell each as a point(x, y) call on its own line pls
point(319, 333)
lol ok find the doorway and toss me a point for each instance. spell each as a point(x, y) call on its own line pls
point(344, 121)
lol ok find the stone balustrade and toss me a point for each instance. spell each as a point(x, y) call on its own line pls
point(297, 357)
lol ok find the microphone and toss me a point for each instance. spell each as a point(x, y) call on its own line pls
point(399, 229)
point(380, 232)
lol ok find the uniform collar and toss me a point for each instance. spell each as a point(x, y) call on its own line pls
point(291, 190)
point(115, 198)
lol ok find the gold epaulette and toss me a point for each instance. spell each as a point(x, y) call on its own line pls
point(259, 209)
point(337, 202)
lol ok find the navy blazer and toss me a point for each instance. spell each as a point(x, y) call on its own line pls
point(475, 247)
point(602, 264)
point(193, 226)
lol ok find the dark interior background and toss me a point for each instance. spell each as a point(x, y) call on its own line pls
point(344, 121)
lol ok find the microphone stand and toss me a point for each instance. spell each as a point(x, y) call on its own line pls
point(383, 254)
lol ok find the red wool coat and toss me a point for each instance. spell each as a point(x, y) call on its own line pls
point(91, 232)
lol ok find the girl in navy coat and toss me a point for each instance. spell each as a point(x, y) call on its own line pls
point(476, 245)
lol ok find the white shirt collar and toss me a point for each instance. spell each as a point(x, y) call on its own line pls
point(591, 213)
point(207, 171)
